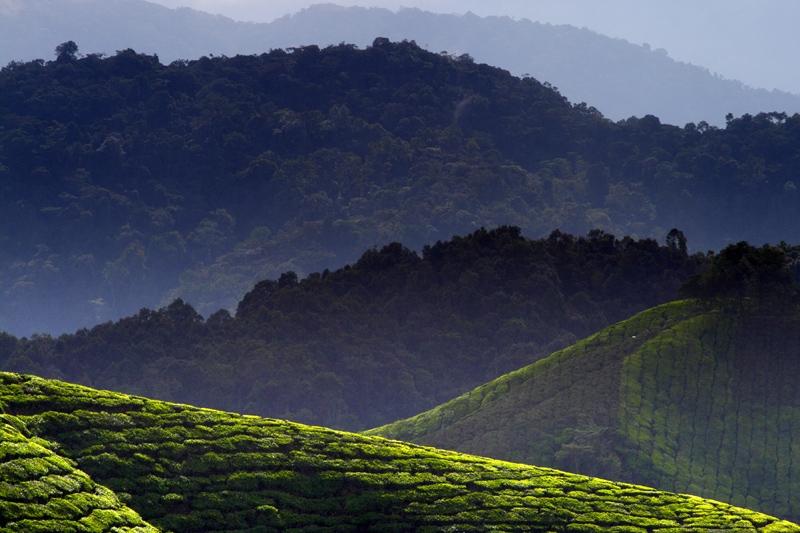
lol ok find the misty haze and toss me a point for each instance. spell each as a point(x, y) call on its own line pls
point(384, 266)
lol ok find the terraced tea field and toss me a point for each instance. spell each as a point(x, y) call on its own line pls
point(680, 397)
point(42, 492)
point(189, 469)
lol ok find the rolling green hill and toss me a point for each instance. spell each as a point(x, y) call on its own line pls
point(686, 397)
point(191, 469)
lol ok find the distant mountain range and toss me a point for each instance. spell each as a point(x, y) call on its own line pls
point(618, 78)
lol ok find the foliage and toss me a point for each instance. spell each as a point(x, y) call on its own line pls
point(743, 272)
point(125, 183)
point(43, 492)
point(708, 407)
point(620, 78)
point(189, 469)
point(684, 396)
point(390, 336)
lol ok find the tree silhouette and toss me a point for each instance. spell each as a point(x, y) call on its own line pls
point(676, 240)
point(742, 272)
point(66, 52)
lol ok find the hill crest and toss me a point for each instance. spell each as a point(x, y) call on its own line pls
point(189, 469)
point(682, 396)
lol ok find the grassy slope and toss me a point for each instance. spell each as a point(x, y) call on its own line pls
point(191, 469)
point(676, 397)
point(42, 492)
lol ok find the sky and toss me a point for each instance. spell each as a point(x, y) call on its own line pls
point(750, 40)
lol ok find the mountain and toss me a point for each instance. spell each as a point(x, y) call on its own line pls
point(692, 396)
point(391, 335)
point(31, 29)
point(741, 39)
point(619, 78)
point(189, 469)
point(127, 183)
point(615, 76)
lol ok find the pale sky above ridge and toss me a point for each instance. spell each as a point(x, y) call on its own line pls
point(749, 40)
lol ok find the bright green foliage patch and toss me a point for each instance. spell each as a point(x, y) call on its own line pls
point(679, 397)
point(515, 415)
point(190, 469)
point(711, 406)
point(42, 492)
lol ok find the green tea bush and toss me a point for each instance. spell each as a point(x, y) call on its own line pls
point(187, 469)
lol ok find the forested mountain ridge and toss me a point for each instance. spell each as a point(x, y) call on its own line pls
point(127, 182)
point(619, 78)
point(188, 469)
point(693, 396)
point(391, 335)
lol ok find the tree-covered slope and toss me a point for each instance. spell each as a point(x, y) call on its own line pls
point(189, 469)
point(393, 334)
point(42, 492)
point(125, 182)
point(685, 396)
point(618, 77)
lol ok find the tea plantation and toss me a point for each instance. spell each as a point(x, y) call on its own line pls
point(189, 469)
point(42, 492)
point(682, 397)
